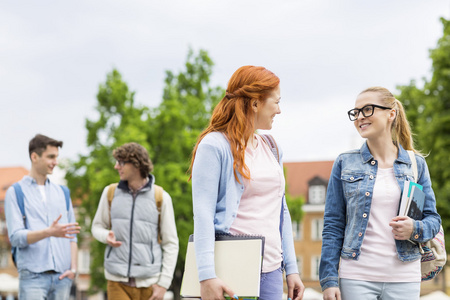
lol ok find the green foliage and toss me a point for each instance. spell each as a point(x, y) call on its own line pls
point(169, 132)
point(295, 205)
point(184, 112)
point(119, 121)
point(428, 111)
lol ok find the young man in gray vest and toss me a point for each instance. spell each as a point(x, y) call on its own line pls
point(43, 229)
point(137, 264)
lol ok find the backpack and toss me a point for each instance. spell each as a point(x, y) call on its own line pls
point(21, 203)
point(158, 199)
point(433, 252)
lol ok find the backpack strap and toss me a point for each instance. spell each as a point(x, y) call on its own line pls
point(110, 196)
point(66, 192)
point(272, 144)
point(159, 199)
point(20, 201)
point(412, 156)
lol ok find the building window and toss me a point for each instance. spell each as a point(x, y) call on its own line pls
point(300, 265)
point(317, 194)
point(315, 262)
point(316, 229)
point(84, 260)
point(5, 253)
point(297, 230)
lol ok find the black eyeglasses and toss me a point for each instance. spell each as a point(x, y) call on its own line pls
point(121, 162)
point(367, 111)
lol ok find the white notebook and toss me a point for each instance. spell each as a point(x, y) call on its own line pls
point(238, 263)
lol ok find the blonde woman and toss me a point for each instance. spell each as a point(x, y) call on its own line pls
point(365, 250)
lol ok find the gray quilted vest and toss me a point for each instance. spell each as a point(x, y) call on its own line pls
point(135, 223)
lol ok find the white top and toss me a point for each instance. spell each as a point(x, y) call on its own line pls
point(378, 260)
point(42, 191)
point(260, 206)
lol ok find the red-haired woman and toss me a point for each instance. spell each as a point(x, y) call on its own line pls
point(238, 185)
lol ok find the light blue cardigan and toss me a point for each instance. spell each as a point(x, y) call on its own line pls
point(216, 195)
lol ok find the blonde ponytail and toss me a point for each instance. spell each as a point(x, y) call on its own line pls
point(401, 131)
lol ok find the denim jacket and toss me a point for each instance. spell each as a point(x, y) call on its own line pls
point(347, 209)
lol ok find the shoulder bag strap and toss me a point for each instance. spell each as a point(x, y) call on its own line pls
point(412, 156)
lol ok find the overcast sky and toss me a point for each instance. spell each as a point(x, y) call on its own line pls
point(54, 54)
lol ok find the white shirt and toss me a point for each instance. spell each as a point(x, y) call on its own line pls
point(378, 260)
point(260, 206)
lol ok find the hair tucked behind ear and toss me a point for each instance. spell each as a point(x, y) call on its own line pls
point(234, 115)
point(401, 131)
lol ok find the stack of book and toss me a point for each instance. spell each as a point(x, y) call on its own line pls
point(238, 263)
point(412, 201)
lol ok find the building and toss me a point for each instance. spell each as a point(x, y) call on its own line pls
point(309, 180)
point(7, 177)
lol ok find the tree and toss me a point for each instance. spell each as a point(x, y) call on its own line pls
point(295, 205)
point(168, 132)
point(184, 112)
point(119, 121)
point(428, 111)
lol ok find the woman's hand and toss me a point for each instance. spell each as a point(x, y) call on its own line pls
point(295, 287)
point(402, 227)
point(214, 289)
point(332, 293)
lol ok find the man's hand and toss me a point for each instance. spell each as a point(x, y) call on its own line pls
point(63, 230)
point(71, 275)
point(295, 287)
point(158, 292)
point(111, 240)
point(402, 227)
point(332, 293)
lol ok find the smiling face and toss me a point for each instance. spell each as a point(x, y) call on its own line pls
point(266, 110)
point(45, 163)
point(380, 123)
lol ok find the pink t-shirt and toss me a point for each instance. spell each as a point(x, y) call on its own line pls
point(378, 260)
point(260, 206)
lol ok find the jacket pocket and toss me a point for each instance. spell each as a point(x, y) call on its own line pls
point(351, 184)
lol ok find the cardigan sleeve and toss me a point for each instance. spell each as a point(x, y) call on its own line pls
point(205, 187)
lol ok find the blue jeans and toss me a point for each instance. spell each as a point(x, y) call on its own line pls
point(271, 285)
point(43, 286)
point(369, 290)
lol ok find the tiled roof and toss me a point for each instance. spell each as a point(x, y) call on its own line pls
point(299, 173)
point(8, 176)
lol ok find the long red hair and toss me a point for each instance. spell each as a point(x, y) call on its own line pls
point(234, 115)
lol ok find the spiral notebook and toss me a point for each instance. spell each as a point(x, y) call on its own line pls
point(238, 263)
